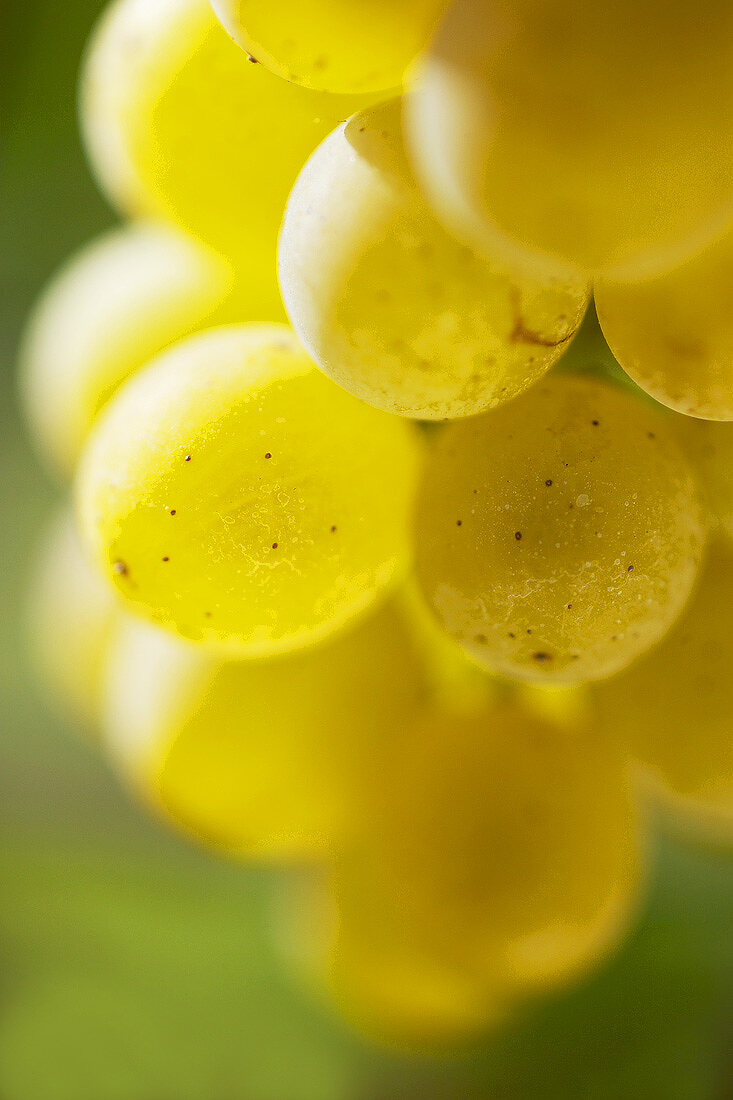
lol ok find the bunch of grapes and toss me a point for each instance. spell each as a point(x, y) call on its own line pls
point(364, 572)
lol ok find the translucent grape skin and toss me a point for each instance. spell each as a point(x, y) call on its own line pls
point(235, 495)
point(179, 125)
point(71, 618)
point(673, 334)
point(111, 308)
point(559, 536)
point(261, 758)
point(591, 136)
point(350, 46)
point(709, 446)
point(501, 858)
point(674, 707)
point(390, 305)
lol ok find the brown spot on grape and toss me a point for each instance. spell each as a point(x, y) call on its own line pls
point(542, 658)
point(166, 559)
point(268, 454)
point(173, 511)
point(274, 546)
point(187, 458)
point(334, 529)
point(119, 568)
point(548, 483)
point(459, 523)
point(517, 535)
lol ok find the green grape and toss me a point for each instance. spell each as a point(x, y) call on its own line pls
point(348, 46)
point(262, 757)
point(559, 536)
point(178, 124)
point(122, 299)
point(500, 858)
point(674, 707)
point(391, 306)
point(673, 334)
point(709, 446)
point(235, 495)
point(592, 136)
point(72, 615)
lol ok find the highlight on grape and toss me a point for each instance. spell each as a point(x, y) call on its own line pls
point(379, 554)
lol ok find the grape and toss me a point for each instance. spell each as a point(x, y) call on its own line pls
point(72, 616)
point(559, 536)
point(500, 857)
point(178, 124)
point(709, 446)
point(593, 136)
point(121, 300)
point(264, 757)
point(391, 306)
point(674, 708)
point(234, 494)
point(349, 46)
point(673, 334)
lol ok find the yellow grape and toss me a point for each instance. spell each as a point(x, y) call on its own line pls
point(72, 616)
point(390, 305)
point(234, 494)
point(673, 334)
point(261, 757)
point(559, 536)
point(709, 445)
point(347, 46)
point(500, 857)
point(179, 124)
point(674, 708)
point(595, 136)
point(120, 301)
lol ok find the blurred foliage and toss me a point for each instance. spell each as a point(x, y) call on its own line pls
point(134, 967)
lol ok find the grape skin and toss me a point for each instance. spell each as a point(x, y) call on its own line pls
point(351, 46)
point(674, 334)
point(501, 858)
point(71, 616)
point(263, 758)
point(709, 446)
point(111, 308)
point(577, 135)
point(559, 536)
point(390, 305)
point(179, 125)
point(674, 707)
point(235, 495)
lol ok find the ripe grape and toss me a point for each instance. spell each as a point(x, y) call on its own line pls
point(234, 494)
point(263, 757)
point(709, 446)
point(72, 616)
point(596, 136)
point(500, 857)
point(673, 334)
point(391, 306)
point(121, 300)
point(178, 124)
point(559, 536)
point(350, 46)
point(674, 708)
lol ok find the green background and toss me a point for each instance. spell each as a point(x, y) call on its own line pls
point(136, 967)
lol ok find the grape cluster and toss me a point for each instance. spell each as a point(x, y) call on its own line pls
point(404, 590)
